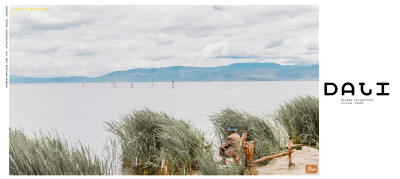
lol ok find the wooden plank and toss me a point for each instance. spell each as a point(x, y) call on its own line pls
point(272, 156)
point(297, 145)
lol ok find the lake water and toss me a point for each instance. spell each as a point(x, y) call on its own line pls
point(80, 113)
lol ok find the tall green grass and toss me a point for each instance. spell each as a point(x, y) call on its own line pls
point(182, 146)
point(300, 118)
point(48, 154)
point(208, 166)
point(258, 130)
point(147, 137)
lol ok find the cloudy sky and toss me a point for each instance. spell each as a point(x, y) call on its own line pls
point(96, 40)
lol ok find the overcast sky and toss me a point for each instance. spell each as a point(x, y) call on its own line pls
point(95, 40)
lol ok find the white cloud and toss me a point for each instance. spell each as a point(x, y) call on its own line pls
point(95, 40)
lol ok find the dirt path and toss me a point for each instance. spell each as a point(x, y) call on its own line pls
point(301, 158)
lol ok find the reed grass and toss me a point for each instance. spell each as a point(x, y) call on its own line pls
point(147, 137)
point(300, 118)
point(208, 166)
point(182, 146)
point(49, 154)
point(258, 130)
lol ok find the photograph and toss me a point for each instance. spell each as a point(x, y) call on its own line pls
point(163, 89)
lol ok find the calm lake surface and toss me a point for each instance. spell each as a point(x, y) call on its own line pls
point(80, 113)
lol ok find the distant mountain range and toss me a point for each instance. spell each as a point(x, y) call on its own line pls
point(233, 72)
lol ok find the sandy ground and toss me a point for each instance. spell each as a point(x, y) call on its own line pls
point(301, 158)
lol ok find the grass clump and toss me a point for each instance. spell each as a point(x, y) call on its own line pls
point(48, 154)
point(258, 130)
point(300, 118)
point(208, 166)
point(147, 137)
point(182, 146)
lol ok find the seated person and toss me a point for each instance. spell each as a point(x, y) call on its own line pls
point(230, 148)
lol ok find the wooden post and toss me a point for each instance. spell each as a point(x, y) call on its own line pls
point(163, 168)
point(290, 152)
point(241, 145)
point(244, 136)
point(249, 151)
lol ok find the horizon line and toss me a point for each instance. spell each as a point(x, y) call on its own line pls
point(162, 67)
